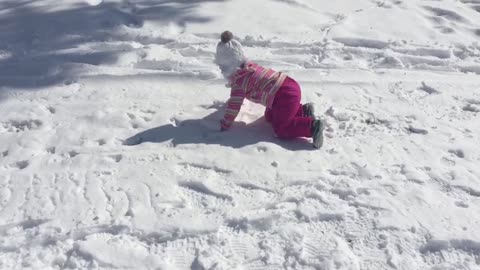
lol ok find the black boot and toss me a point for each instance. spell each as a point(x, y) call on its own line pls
point(317, 133)
point(308, 110)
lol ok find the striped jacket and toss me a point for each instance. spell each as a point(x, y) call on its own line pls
point(255, 83)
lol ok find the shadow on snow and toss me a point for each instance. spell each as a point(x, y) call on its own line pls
point(206, 131)
point(41, 47)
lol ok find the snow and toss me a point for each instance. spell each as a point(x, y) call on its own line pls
point(111, 155)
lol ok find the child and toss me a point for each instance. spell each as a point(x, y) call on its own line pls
point(279, 93)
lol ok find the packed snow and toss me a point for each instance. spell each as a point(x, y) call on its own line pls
point(111, 155)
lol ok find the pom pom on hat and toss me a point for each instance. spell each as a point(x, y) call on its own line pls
point(226, 36)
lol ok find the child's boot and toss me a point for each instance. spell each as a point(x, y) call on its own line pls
point(317, 133)
point(308, 110)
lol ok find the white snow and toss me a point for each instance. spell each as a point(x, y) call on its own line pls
point(111, 155)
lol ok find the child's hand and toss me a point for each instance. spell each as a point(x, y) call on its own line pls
point(223, 125)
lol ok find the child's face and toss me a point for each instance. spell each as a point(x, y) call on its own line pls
point(222, 66)
point(219, 63)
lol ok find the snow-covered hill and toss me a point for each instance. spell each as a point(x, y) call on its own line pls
point(111, 158)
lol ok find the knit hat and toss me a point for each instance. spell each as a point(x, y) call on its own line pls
point(229, 54)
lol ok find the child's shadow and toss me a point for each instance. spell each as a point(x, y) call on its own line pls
point(207, 131)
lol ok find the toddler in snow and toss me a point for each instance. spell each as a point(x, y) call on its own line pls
point(278, 92)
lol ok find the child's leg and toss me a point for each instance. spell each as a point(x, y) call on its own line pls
point(292, 127)
point(300, 111)
point(268, 115)
point(306, 110)
point(284, 113)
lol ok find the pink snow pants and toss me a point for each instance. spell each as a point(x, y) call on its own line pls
point(286, 114)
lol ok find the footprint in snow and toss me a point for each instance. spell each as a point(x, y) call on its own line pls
point(416, 130)
point(51, 109)
point(318, 242)
point(22, 164)
point(461, 204)
point(457, 152)
point(21, 125)
point(471, 108)
point(73, 153)
point(428, 89)
point(448, 161)
point(115, 158)
point(51, 150)
point(101, 142)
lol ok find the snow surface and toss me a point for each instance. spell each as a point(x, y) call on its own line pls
point(110, 155)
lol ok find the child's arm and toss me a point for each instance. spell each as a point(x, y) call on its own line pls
point(234, 104)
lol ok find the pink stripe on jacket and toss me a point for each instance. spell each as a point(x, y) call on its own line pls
point(255, 83)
